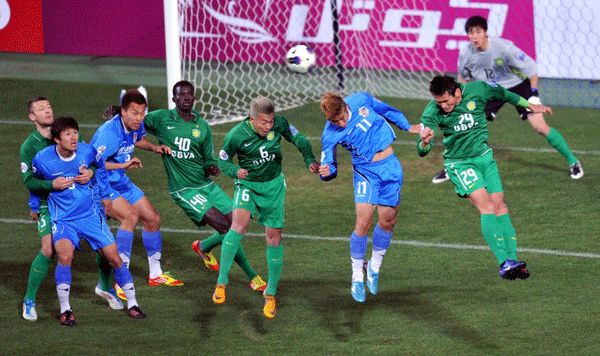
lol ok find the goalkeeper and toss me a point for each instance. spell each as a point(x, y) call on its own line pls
point(459, 111)
point(500, 61)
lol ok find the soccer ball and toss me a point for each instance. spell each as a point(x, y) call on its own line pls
point(300, 59)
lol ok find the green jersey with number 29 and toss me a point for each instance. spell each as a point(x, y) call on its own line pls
point(465, 128)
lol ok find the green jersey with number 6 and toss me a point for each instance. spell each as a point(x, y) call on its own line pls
point(261, 156)
point(465, 128)
point(191, 144)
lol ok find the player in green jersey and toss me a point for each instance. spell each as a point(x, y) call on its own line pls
point(259, 188)
point(189, 165)
point(499, 60)
point(41, 114)
point(459, 111)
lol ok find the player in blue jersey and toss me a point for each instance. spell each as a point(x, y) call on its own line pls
point(115, 141)
point(74, 214)
point(359, 123)
point(42, 115)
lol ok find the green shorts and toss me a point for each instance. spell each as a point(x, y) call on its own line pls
point(195, 202)
point(43, 223)
point(471, 174)
point(266, 198)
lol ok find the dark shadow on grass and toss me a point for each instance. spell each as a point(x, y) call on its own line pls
point(343, 316)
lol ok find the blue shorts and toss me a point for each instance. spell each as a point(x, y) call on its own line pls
point(378, 183)
point(93, 228)
point(129, 191)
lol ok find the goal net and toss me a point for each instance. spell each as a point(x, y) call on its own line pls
point(235, 50)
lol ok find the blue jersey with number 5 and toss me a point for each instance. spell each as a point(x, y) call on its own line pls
point(367, 132)
point(114, 143)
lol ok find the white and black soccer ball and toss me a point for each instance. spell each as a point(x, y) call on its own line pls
point(300, 59)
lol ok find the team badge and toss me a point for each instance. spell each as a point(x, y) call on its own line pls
point(364, 112)
point(223, 155)
point(293, 129)
point(196, 133)
point(471, 105)
point(23, 167)
point(270, 136)
point(499, 62)
point(135, 137)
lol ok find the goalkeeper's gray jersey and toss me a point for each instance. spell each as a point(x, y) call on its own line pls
point(502, 62)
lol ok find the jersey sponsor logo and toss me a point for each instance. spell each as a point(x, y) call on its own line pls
point(223, 155)
point(471, 105)
point(270, 136)
point(247, 144)
point(182, 154)
point(293, 129)
point(23, 167)
point(364, 112)
point(170, 127)
point(125, 150)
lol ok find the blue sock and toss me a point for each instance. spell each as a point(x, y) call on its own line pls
point(124, 241)
point(381, 239)
point(152, 242)
point(358, 246)
point(62, 274)
point(122, 275)
point(381, 243)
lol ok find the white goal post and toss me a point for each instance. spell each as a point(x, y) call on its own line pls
point(234, 50)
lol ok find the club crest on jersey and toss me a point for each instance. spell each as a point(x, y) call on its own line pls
point(364, 112)
point(23, 167)
point(223, 155)
point(471, 105)
point(196, 133)
point(135, 137)
point(293, 130)
point(270, 135)
point(499, 62)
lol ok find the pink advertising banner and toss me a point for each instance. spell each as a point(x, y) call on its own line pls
point(428, 32)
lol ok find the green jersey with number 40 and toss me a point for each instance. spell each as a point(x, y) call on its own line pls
point(191, 144)
point(261, 156)
point(465, 128)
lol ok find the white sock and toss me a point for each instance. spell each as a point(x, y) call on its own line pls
point(64, 290)
point(129, 291)
point(125, 259)
point(154, 264)
point(357, 270)
point(376, 259)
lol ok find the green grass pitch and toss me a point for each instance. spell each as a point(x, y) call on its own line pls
point(439, 289)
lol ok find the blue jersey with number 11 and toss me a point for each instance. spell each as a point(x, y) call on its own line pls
point(367, 132)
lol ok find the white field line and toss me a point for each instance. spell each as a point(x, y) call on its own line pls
point(347, 239)
point(399, 142)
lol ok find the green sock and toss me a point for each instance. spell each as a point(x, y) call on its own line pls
point(229, 248)
point(212, 241)
point(242, 261)
point(275, 262)
point(37, 273)
point(510, 237)
point(493, 236)
point(104, 271)
point(556, 140)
